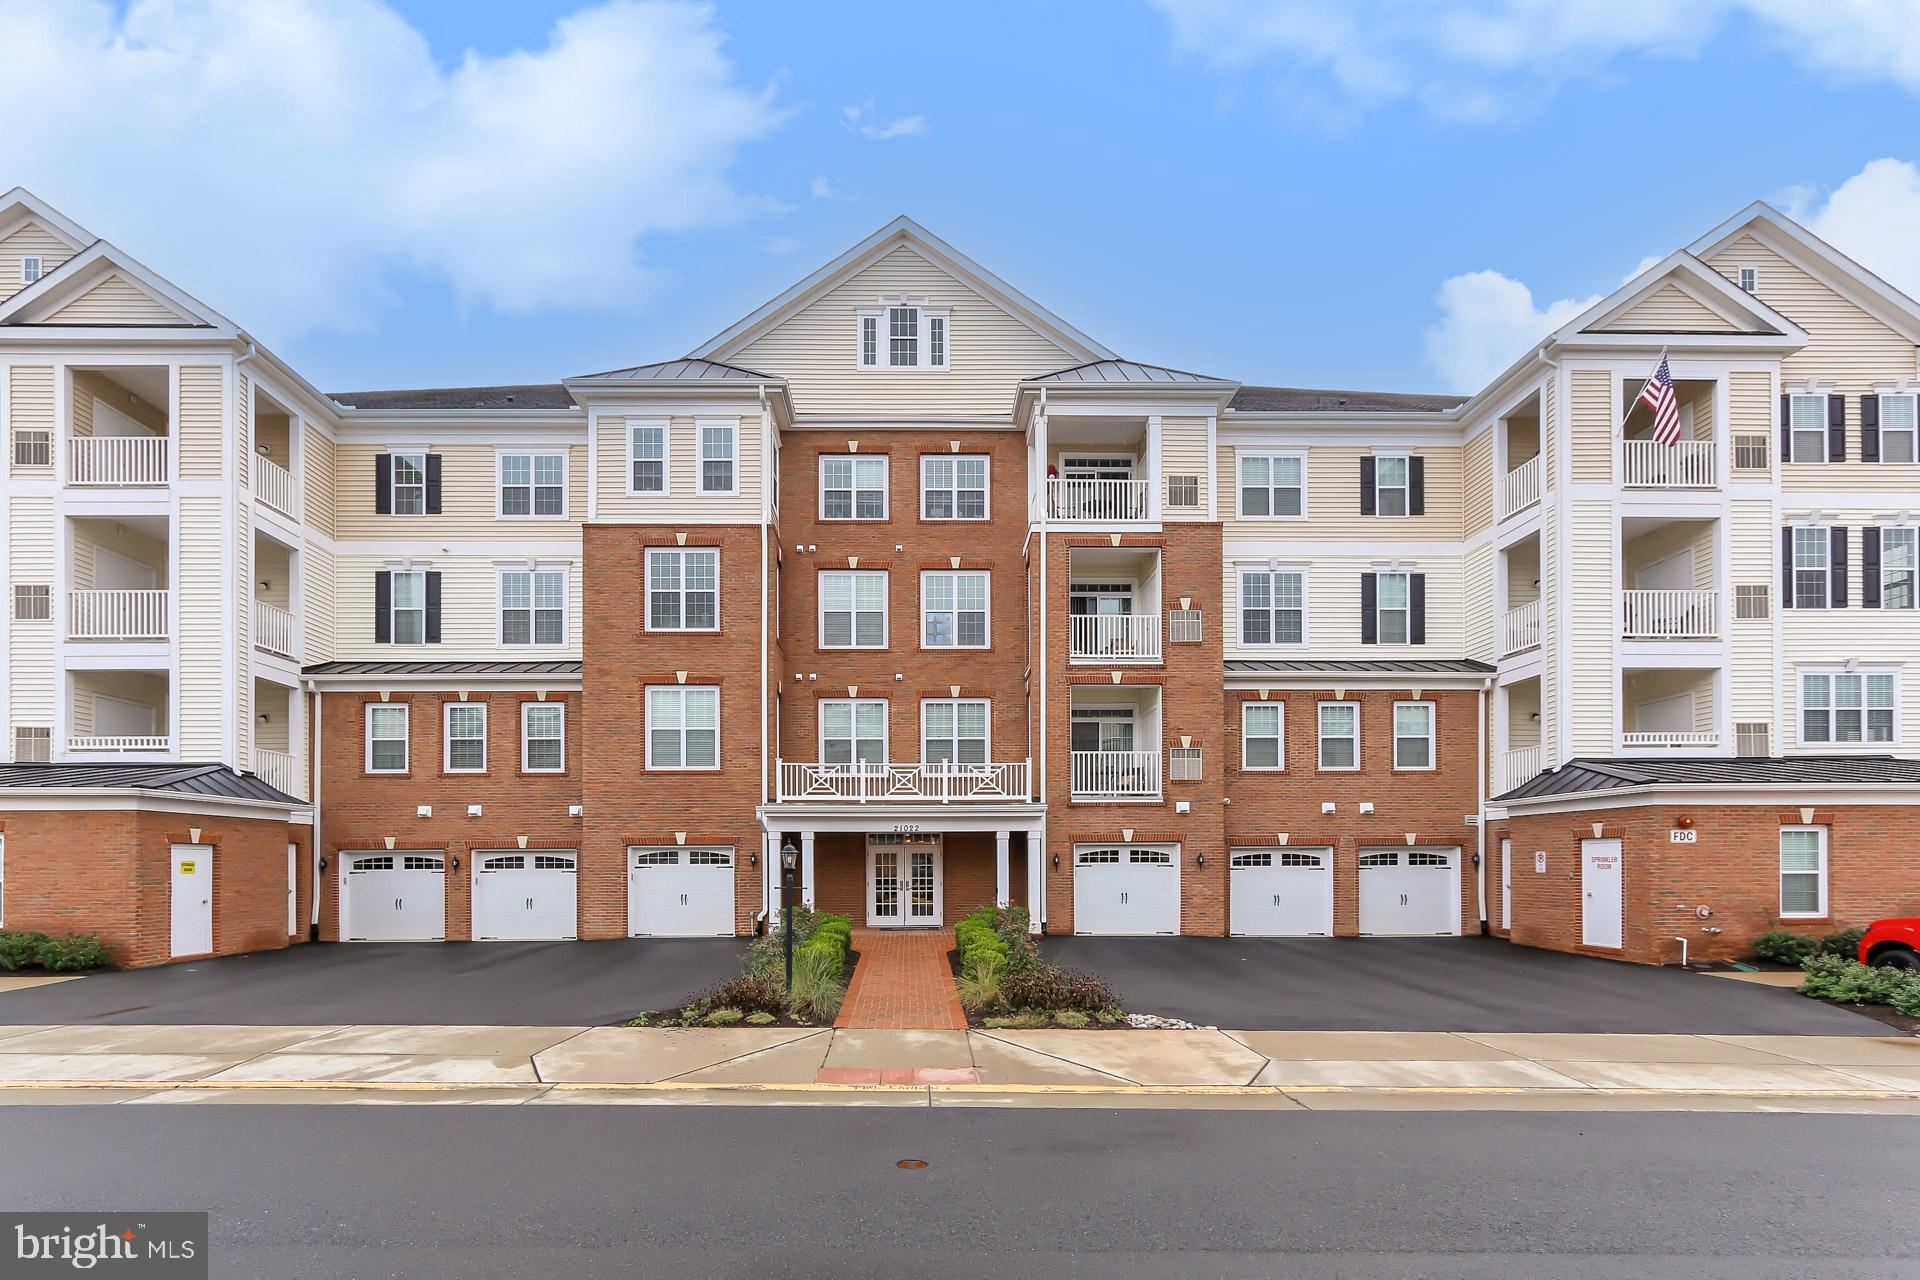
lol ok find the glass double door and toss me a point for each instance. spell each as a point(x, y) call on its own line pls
point(903, 881)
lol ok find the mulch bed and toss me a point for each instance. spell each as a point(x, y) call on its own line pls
point(1879, 1013)
point(670, 1017)
point(978, 1022)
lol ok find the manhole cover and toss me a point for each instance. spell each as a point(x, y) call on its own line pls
point(910, 1164)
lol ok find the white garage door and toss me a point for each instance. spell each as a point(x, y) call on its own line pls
point(680, 893)
point(395, 897)
point(1281, 893)
point(1126, 890)
point(1409, 892)
point(525, 896)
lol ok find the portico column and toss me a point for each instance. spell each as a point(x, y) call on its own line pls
point(770, 877)
point(1001, 870)
point(1036, 879)
point(806, 868)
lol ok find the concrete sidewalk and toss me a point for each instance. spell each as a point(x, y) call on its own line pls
point(1424, 1070)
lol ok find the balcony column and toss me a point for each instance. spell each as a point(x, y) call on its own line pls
point(806, 868)
point(1153, 467)
point(1036, 879)
point(1001, 870)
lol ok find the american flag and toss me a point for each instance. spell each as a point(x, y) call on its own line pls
point(1658, 396)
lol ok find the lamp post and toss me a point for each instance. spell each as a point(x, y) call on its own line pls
point(789, 857)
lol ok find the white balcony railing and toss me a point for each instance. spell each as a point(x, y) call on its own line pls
point(1520, 766)
point(1668, 738)
point(1004, 780)
point(117, 615)
point(273, 629)
point(1648, 464)
point(279, 769)
point(1671, 615)
point(1113, 636)
point(273, 484)
point(118, 460)
point(149, 743)
point(1520, 487)
point(1116, 773)
point(1097, 500)
point(1520, 628)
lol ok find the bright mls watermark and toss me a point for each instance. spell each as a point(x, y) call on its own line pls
point(165, 1246)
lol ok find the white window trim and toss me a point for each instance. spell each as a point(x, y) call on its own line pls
point(986, 641)
point(647, 695)
point(665, 426)
point(1239, 487)
point(499, 481)
point(923, 342)
point(526, 714)
point(1280, 765)
point(1826, 569)
point(1240, 606)
point(886, 489)
point(1908, 531)
point(986, 460)
point(1406, 488)
point(1432, 736)
point(1781, 873)
point(1820, 452)
point(500, 605)
point(921, 745)
point(1830, 743)
point(1885, 396)
point(406, 737)
point(446, 736)
point(1380, 611)
point(886, 609)
point(1747, 279)
point(700, 428)
point(647, 587)
point(394, 610)
point(1320, 737)
point(393, 482)
point(886, 725)
point(39, 268)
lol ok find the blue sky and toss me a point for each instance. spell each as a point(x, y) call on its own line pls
point(424, 192)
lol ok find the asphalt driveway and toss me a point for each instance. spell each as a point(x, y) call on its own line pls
point(449, 983)
point(1433, 984)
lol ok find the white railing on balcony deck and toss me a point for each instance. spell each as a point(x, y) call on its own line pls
point(1104, 636)
point(279, 769)
point(1686, 464)
point(1116, 773)
point(118, 460)
point(1520, 487)
point(117, 615)
point(1097, 500)
point(1668, 738)
point(273, 484)
point(272, 629)
point(1001, 780)
point(1671, 615)
point(149, 743)
point(1520, 766)
point(1520, 628)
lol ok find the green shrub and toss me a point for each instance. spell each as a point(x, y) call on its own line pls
point(751, 994)
point(1845, 943)
point(1782, 947)
point(761, 1018)
point(819, 983)
point(1070, 1018)
point(724, 1017)
point(1850, 982)
point(767, 954)
point(1045, 986)
point(72, 953)
point(19, 949)
point(1025, 1020)
point(979, 984)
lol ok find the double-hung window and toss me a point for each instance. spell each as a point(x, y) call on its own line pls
point(953, 731)
point(1273, 485)
point(1262, 738)
point(1339, 735)
point(1273, 606)
point(409, 606)
point(853, 488)
point(953, 488)
point(853, 609)
point(683, 589)
point(533, 484)
point(1393, 608)
point(409, 484)
point(1803, 871)
point(533, 606)
point(718, 442)
point(1807, 417)
point(386, 738)
point(1413, 735)
point(647, 457)
point(1899, 559)
point(1390, 484)
point(466, 738)
point(953, 610)
point(853, 731)
point(1846, 706)
point(1898, 426)
point(683, 727)
point(902, 335)
point(1812, 552)
point(543, 737)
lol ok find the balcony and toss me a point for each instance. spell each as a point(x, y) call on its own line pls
point(943, 783)
point(1648, 464)
point(1671, 615)
point(273, 629)
point(1099, 774)
point(145, 744)
point(1676, 738)
point(1098, 501)
point(1114, 637)
point(272, 484)
point(1520, 766)
point(279, 769)
point(1520, 629)
point(1520, 487)
point(118, 460)
point(117, 615)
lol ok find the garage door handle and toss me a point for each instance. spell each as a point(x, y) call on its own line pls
point(683, 899)
point(529, 904)
point(1403, 899)
point(397, 904)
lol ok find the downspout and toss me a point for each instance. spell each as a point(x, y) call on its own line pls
point(1480, 790)
point(313, 785)
point(766, 532)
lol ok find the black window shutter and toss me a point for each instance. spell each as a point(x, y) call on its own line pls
point(383, 484)
point(1870, 567)
point(1786, 568)
point(1837, 579)
point(383, 606)
point(1369, 609)
point(433, 484)
point(1417, 486)
point(433, 607)
point(1417, 608)
point(1366, 486)
point(1869, 428)
point(1836, 428)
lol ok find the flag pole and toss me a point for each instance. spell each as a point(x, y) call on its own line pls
point(1620, 428)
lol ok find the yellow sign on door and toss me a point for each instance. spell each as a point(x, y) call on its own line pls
point(186, 868)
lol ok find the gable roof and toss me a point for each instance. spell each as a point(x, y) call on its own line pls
point(1821, 260)
point(214, 781)
point(1744, 316)
point(902, 232)
point(537, 395)
point(21, 205)
point(1590, 774)
point(1313, 400)
point(87, 269)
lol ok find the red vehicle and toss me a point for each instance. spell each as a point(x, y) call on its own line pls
point(1894, 943)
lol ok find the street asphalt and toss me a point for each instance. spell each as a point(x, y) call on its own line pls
point(424, 1192)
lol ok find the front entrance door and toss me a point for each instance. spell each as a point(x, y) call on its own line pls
point(192, 905)
point(904, 875)
point(1602, 902)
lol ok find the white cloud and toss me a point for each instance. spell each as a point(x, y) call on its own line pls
point(1487, 321)
point(823, 189)
point(863, 120)
point(1871, 218)
point(290, 162)
point(781, 246)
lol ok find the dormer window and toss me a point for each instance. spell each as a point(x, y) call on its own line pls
point(903, 335)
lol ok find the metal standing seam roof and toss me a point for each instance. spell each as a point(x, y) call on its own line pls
point(542, 395)
point(1312, 400)
point(214, 781)
point(1368, 666)
point(347, 667)
point(1125, 372)
point(690, 369)
point(1588, 774)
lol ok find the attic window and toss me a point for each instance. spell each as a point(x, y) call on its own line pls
point(30, 269)
point(902, 335)
point(1749, 278)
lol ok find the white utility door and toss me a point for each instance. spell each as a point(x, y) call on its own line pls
point(1281, 893)
point(1602, 896)
point(680, 893)
point(1409, 892)
point(904, 882)
point(395, 897)
point(192, 902)
point(1506, 885)
point(1124, 890)
point(293, 889)
point(525, 895)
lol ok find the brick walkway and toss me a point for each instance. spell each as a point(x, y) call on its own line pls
point(902, 981)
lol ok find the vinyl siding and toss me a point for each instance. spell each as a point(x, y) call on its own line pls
point(469, 497)
point(1477, 575)
point(242, 429)
point(469, 611)
point(30, 674)
point(116, 301)
point(1592, 423)
point(1553, 616)
point(317, 582)
point(241, 639)
point(1333, 498)
point(1753, 555)
point(815, 349)
point(1591, 606)
point(1477, 482)
point(1183, 452)
point(31, 240)
point(30, 406)
point(1333, 609)
point(200, 422)
point(203, 630)
point(319, 463)
point(1550, 430)
point(1844, 343)
point(1668, 309)
point(1751, 410)
point(682, 500)
point(91, 536)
